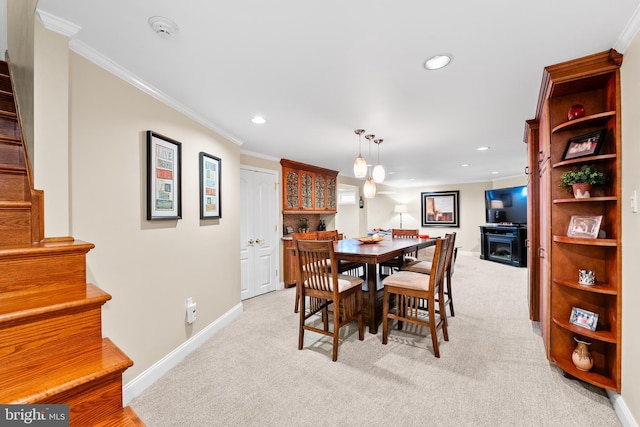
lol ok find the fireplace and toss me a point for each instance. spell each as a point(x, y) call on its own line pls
point(504, 244)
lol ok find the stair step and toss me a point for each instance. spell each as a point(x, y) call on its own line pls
point(89, 380)
point(11, 153)
point(7, 113)
point(53, 264)
point(5, 83)
point(10, 139)
point(37, 328)
point(15, 222)
point(128, 418)
point(9, 125)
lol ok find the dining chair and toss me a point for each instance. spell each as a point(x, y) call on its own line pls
point(396, 263)
point(415, 298)
point(313, 235)
point(425, 267)
point(320, 282)
point(347, 267)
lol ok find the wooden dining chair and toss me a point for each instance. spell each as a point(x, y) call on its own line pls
point(320, 282)
point(425, 267)
point(415, 298)
point(313, 235)
point(396, 263)
point(347, 267)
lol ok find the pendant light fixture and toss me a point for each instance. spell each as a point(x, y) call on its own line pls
point(378, 171)
point(360, 165)
point(369, 186)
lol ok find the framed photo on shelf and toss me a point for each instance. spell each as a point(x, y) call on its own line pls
point(583, 318)
point(210, 176)
point(584, 145)
point(586, 226)
point(440, 208)
point(164, 170)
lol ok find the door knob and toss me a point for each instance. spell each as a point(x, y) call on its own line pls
point(258, 241)
point(251, 242)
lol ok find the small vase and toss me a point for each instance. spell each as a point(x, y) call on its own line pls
point(581, 356)
point(575, 112)
point(581, 191)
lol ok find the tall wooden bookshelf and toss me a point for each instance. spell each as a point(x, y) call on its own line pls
point(594, 82)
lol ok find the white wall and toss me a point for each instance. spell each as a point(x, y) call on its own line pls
point(630, 73)
point(149, 267)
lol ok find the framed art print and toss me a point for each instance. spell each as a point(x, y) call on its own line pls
point(583, 318)
point(587, 226)
point(210, 175)
point(441, 209)
point(584, 145)
point(164, 169)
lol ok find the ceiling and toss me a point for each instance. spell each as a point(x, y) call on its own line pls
point(318, 70)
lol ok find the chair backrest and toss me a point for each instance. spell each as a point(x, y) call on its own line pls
point(401, 233)
point(438, 265)
point(315, 258)
point(450, 251)
point(312, 235)
point(328, 235)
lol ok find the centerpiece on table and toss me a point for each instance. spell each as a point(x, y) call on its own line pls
point(580, 180)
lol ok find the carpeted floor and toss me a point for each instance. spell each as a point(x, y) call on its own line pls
point(492, 372)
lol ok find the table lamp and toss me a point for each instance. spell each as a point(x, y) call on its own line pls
point(400, 209)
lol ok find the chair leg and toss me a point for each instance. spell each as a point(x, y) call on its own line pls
point(358, 297)
point(385, 313)
point(443, 316)
point(449, 294)
point(336, 329)
point(301, 331)
point(434, 331)
point(295, 309)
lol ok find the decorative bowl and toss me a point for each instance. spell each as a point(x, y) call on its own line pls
point(370, 239)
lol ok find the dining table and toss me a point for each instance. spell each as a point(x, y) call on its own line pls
point(372, 254)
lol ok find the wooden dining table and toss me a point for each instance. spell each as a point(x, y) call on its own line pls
point(373, 254)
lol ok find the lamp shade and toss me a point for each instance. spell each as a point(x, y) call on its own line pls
point(369, 189)
point(360, 167)
point(400, 208)
point(378, 173)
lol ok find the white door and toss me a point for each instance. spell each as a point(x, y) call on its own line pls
point(259, 243)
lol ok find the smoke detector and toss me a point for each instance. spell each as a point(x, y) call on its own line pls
point(163, 27)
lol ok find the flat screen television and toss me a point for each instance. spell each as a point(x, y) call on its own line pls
point(506, 205)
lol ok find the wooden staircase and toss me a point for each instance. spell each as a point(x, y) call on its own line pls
point(51, 345)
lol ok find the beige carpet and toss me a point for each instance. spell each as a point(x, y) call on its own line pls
point(492, 372)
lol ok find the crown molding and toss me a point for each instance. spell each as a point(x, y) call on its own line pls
point(58, 25)
point(629, 32)
point(259, 155)
point(53, 23)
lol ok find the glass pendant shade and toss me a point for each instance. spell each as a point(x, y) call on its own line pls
point(360, 167)
point(378, 173)
point(370, 188)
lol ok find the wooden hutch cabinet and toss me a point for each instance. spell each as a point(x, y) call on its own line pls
point(593, 82)
point(308, 189)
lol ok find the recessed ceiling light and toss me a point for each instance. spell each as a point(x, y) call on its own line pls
point(438, 61)
point(483, 148)
point(259, 120)
point(495, 173)
point(464, 165)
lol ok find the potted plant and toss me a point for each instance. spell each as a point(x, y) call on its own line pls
point(303, 226)
point(580, 180)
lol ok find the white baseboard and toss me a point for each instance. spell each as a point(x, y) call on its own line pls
point(135, 387)
point(622, 410)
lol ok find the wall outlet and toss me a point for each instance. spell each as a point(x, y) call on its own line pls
point(191, 310)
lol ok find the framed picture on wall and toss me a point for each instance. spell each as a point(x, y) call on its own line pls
point(164, 169)
point(440, 208)
point(210, 175)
